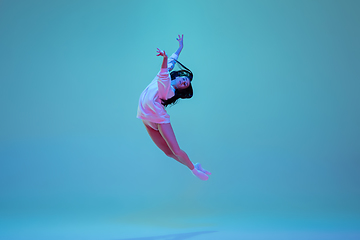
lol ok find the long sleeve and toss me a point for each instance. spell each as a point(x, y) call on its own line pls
point(164, 81)
point(164, 84)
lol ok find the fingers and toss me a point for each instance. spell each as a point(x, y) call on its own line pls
point(161, 53)
point(180, 38)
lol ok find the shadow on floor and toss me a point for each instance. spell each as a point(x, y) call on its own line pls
point(180, 236)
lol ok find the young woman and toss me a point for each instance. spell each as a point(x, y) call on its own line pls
point(166, 89)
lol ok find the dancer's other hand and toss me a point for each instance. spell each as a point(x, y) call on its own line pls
point(180, 40)
point(161, 53)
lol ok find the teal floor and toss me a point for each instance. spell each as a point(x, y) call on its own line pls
point(209, 228)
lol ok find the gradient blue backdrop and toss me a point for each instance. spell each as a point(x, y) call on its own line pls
point(275, 116)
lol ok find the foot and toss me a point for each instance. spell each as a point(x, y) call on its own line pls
point(198, 167)
point(200, 174)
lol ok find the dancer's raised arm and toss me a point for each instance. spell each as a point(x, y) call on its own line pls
point(164, 82)
point(181, 44)
point(162, 53)
point(172, 59)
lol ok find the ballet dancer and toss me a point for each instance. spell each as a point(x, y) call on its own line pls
point(164, 90)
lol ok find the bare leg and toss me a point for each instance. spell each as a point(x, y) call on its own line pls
point(161, 143)
point(166, 141)
point(168, 135)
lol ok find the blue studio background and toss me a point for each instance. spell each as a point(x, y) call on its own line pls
point(275, 117)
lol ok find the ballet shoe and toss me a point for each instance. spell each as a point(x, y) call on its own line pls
point(198, 167)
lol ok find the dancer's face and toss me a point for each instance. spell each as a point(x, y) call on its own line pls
point(180, 82)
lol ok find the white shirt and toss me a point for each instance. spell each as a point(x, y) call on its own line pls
point(150, 107)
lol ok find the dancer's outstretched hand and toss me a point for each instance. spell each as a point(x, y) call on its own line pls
point(180, 40)
point(161, 53)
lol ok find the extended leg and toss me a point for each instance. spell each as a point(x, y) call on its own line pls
point(168, 134)
point(160, 143)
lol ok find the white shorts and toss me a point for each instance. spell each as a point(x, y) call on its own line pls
point(151, 124)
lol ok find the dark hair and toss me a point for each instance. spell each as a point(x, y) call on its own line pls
point(183, 93)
